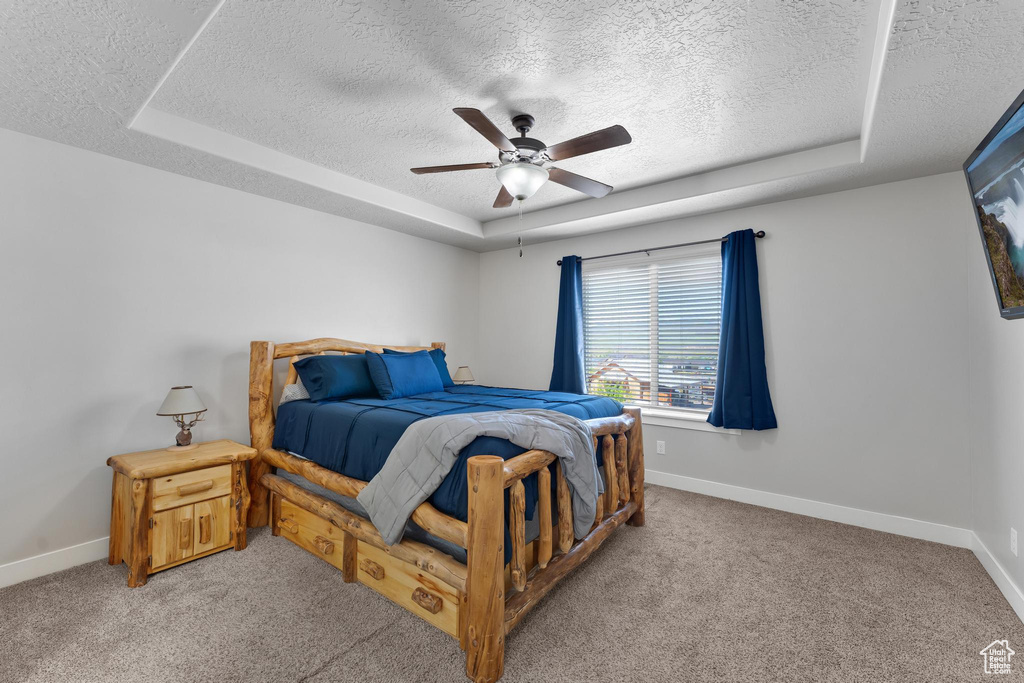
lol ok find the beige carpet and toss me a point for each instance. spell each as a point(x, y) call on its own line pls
point(709, 590)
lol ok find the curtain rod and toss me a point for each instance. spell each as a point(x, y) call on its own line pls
point(759, 233)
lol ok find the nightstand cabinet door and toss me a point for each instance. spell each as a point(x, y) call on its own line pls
point(212, 524)
point(172, 536)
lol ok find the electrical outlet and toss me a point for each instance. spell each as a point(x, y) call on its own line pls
point(1013, 541)
point(661, 451)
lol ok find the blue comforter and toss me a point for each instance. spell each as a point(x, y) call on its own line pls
point(354, 437)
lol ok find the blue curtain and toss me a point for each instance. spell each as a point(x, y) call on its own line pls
point(742, 400)
point(567, 373)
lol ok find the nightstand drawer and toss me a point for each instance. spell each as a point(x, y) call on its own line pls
point(191, 487)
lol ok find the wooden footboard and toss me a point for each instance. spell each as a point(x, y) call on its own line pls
point(491, 615)
point(620, 503)
point(467, 601)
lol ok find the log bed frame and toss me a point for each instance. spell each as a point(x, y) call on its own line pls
point(479, 602)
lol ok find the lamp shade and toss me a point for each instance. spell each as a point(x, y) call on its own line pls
point(522, 179)
point(463, 374)
point(181, 401)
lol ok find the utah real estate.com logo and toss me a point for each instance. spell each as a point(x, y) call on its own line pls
point(997, 657)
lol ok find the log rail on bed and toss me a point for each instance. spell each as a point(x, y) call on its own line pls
point(485, 614)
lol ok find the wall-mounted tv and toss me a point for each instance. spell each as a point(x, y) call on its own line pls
point(995, 174)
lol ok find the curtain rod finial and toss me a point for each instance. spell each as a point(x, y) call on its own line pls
point(759, 233)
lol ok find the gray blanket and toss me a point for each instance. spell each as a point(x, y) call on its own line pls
point(428, 449)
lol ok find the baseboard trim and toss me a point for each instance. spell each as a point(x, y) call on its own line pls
point(1010, 590)
point(893, 524)
point(54, 561)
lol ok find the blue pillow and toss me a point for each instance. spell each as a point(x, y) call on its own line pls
point(439, 360)
point(335, 376)
point(403, 374)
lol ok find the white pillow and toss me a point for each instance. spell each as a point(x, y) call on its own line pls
point(294, 392)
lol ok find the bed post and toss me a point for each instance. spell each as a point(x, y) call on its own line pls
point(635, 458)
point(261, 425)
point(485, 580)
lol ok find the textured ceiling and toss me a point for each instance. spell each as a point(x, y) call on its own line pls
point(366, 89)
point(76, 72)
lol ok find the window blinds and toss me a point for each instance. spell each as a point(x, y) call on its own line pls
point(651, 327)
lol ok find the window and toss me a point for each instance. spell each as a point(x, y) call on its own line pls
point(651, 327)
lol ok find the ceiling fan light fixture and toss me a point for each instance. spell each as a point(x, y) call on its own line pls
point(522, 179)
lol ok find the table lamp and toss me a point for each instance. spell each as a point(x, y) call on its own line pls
point(186, 408)
point(462, 375)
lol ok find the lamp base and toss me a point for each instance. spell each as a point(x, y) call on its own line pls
point(190, 447)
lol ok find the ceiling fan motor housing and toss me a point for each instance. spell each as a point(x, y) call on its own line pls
point(528, 147)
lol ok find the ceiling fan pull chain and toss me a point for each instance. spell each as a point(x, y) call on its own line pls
point(520, 241)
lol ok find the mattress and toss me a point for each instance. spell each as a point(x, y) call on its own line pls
point(355, 436)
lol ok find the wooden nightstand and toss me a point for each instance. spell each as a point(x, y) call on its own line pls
point(171, 507)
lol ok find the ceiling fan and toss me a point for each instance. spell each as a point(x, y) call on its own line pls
point(524, 164)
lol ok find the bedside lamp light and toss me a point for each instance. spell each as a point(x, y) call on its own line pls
point(184, 405)
point(462, 375)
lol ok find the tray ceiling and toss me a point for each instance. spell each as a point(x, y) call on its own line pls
point(328, 104)
point(368, 89)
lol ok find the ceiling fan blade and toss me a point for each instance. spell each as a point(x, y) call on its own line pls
point(453, 167)
point(483, 125)
point(591, 142)
point(503, 200)
point(578, 182)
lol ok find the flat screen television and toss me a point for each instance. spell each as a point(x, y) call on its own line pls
point(995, 174)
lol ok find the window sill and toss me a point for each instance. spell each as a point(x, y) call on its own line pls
point(680, 419)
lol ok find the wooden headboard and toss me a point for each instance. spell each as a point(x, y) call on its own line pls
point(262, 355)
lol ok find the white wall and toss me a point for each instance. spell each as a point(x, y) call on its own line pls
point(996, 398)
point(864, 298)
point(120, 281)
